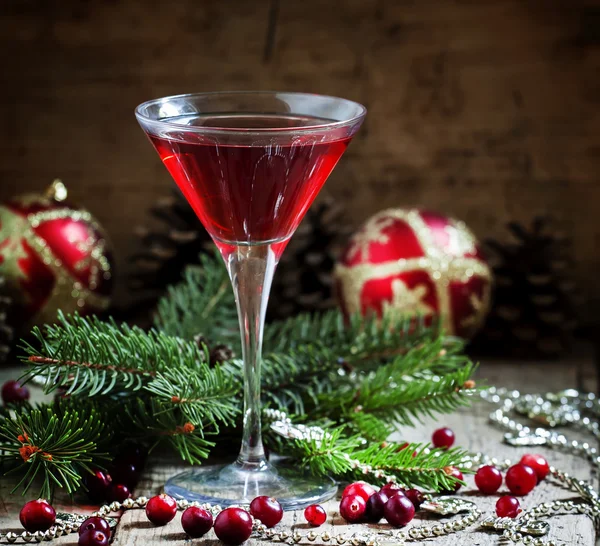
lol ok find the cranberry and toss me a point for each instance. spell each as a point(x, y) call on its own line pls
point(508, 507)
point(353, 508)
point(457, 474)
point(403, 447)
point(126, 473)
point(488, 479)
point(399, 511)
point(119, 492)
point(93, 537)
point(233, 526)
point(98, 485)
point(37, 515)
point(267, 510)
point(539, 465)
point(375, 506)
point(416, 497)
point(315, 514)
point(443, 437)
point(161, 509)
point(14, 393)
point(520, 479)
point(196, 522)
point(95, 523)
point(392, 489)
point(362, 489)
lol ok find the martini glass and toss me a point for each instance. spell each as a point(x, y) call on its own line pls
point(250, 164)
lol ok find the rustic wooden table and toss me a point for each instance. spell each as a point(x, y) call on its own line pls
point(472, 432)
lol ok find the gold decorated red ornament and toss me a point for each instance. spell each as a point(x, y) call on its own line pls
point(416, 263)
point(53, 256)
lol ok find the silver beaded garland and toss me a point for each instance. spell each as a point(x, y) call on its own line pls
point(552, 409)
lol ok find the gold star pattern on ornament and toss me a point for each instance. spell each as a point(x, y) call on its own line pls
point(371, 232)
point(479, 306)
point(461, 240)
point(445, 267)
point(407, 301)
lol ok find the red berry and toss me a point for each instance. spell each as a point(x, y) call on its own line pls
point(315, 514)
point(353, 508)
point(403, 447)
point(362, 489)
point(14, 393)
point(443, 437)
point(196, 522)
point(93, 537)
point(267, 510)
point(161, 509)
point(119, 492)
point(98, 485)
point(126, 473)
point(375, 506)
point(392, 489)
point(95, 523)
point(539, 465)
point(416, 497)
point(233, 526)
point(520, 479)
point(399, 511)
point(37, 515)
point(455, 473)
point(488, 479)
point(507, 507)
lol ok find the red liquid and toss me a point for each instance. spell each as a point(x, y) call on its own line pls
point(255, 193)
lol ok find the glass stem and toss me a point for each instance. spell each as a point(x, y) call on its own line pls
point(251, 270)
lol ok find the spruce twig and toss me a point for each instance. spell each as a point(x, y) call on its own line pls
point(56, 443)
point(359, 378)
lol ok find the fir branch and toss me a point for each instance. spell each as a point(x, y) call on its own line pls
point(414, 465)
point(205, 397)
point(202, 304)
point(411, 464)
point(360, 341)
point(401, 391)
point(89, 357)
point(54, 442)
point(158, 422)
point(361, 377)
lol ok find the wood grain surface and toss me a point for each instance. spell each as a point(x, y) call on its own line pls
point(472, 432)
point(484, 109)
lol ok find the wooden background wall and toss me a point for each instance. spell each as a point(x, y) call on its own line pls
point(485, 109)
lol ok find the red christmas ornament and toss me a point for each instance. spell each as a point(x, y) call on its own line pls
point(416, 263)
point(53, 256)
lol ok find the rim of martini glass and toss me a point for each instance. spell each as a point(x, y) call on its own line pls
point(141, 112)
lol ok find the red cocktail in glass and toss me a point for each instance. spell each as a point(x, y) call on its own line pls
point(250, 164)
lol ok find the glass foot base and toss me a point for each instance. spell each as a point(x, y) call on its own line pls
point(230, 484)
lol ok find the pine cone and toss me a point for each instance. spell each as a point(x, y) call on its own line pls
point(304, 278)
point(166, 252)
point(534, 310)
point(6, 330)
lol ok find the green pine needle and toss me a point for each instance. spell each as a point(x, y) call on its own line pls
point(55, 443)
point(359, 378)
point(201, 305)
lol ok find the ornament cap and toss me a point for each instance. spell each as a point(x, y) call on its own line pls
point(57, 190)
